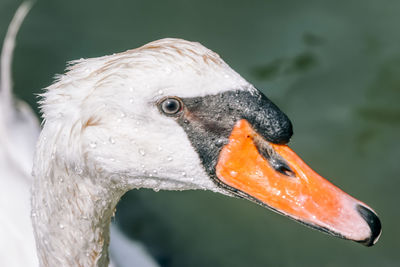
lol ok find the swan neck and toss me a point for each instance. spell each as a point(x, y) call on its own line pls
point(71, 218)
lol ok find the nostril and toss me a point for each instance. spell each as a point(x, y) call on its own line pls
point(280, 166)
point(285, 169)
point(374, 224)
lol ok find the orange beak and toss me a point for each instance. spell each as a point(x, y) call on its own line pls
point(294, 190)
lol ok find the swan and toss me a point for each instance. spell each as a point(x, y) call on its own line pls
point(170, 115)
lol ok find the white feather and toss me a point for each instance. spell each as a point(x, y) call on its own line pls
point(19, 130)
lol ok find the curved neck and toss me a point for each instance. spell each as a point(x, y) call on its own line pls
point(71, 217)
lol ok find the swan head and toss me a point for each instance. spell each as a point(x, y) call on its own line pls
point(173, 115)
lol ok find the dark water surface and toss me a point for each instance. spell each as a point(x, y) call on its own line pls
point(332, 66)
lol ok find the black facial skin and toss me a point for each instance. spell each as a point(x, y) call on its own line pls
point(209, 121)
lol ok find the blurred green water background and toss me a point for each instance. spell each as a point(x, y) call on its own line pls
point(332, 66)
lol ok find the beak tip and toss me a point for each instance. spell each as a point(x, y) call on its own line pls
point(374, 224)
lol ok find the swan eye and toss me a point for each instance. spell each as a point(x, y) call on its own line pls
point(171, 106)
